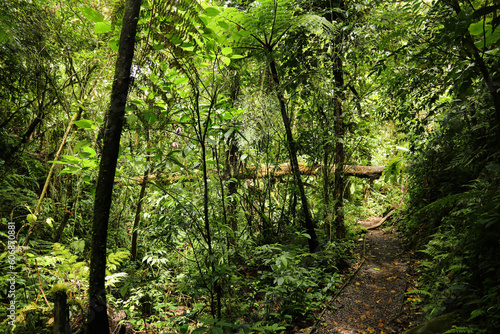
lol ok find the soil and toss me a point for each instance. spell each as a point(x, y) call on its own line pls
point(373, 299)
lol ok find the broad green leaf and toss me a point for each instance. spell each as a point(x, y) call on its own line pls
point(80, 144)
point(188, 48)
point(57, 162)
point(236, 56)
point(211, 11)
point(226, 60)
point(223, 24)
point(84, 124)
point(92, 14)
point(90, 151)
point(139, 103)
point(284, 261)
point(227, 50)
point(180, 81)
point(69, 170)
point(478, 28)
point(71, 159)
point(114, 43)
point(31, 218)
point(280, 281)
point(102, 27)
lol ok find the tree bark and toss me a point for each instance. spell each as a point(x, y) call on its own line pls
point(137, 219)
point(338, 190)
point(308, 222)
point(97, 321)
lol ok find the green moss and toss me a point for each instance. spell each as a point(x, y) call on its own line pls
point(57, 290)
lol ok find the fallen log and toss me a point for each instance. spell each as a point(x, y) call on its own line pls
point(367, 172)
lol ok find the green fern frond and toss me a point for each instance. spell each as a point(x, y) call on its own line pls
point(458, 267)
point(116, 259)
point(449, 200)
point(175, 19)
point(419, 292)
point(476, 313)
point(457, 329)
point(318, 25)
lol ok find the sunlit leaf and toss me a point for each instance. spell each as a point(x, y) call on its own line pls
point(84, 124)
point(211, 11)
point(226, 50)
point(102, 27)
point(92, 14)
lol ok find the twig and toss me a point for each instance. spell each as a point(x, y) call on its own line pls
point(41, 288)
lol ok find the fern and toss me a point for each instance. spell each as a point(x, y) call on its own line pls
point(419, 292)
point(266, 22)
point(476, 313)
point(450, 200)
point(457, 329)
point(116, 259)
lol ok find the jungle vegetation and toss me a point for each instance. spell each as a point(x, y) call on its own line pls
point(129, 130)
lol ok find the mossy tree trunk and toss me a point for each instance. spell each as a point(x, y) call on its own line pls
point(97, 321)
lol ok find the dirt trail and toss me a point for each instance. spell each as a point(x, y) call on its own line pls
point(372, 301)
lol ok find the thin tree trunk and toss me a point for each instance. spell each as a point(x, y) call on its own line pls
point(137, 219)
point(308, 222)
point(97, 321)
point(76, 116)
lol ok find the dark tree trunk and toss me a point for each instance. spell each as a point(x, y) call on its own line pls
point(308, 222)
point(137, 219)
point(338, 190)
point(97, 321)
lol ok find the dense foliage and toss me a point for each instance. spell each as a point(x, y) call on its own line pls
point(219, 89)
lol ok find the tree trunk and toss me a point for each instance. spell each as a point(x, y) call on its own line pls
point(338, 190)
point(308, 222)
point(97, 321)
point(137, 219)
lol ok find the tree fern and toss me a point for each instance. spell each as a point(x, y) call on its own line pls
point(174, 19)
point(266, 22)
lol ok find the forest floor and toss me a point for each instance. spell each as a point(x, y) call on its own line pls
point(373, 300)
